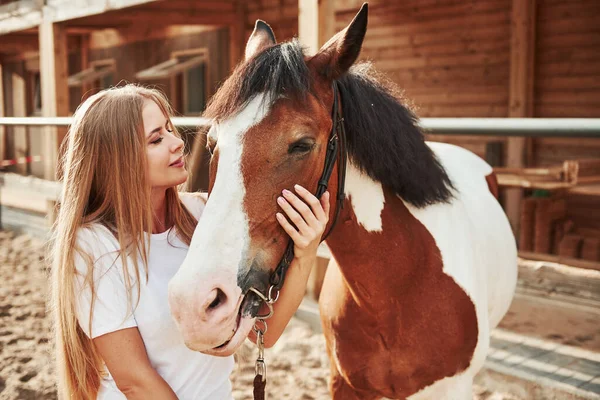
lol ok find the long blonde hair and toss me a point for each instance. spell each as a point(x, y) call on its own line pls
point(104, 181)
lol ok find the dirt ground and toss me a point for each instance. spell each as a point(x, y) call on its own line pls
point(298, 367)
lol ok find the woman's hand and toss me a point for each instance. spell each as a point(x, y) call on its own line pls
point(309, 215)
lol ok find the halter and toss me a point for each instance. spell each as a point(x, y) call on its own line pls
point(336, 150)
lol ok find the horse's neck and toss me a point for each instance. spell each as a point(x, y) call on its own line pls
point(377, 243)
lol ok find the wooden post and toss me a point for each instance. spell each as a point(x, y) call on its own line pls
point(55, 93)
point(2, 114)
point(326, 21)
point(520, 93)
point(316, 25)
point(308, 27)
point(237, 33)
point(85, 62)
point(19, 104)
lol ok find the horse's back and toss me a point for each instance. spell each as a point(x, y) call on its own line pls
point(488, 231)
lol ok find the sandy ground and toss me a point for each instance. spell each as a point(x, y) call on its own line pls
point(298, 367)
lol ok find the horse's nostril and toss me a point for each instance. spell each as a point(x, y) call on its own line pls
point(219, 298)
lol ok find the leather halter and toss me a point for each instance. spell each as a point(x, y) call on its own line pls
point(336, 150)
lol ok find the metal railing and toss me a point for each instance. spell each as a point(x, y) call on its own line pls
point(523, 127)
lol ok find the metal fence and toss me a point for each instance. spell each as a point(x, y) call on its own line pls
point(512, 127)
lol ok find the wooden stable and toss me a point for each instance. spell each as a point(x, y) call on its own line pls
point(452, 58)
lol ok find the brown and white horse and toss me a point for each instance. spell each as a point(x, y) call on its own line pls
point(424, 260)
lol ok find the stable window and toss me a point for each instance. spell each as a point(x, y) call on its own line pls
point(187, 73)
point(100, 75)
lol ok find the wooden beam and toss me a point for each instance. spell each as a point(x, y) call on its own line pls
point(161, 18)
point(55, 93)
point(85, 52)
point(17, 44)
point(308, 27)
point(316, 23)
point(20, 140)
point(20, 15)
point(2, 114)
point(520, 102)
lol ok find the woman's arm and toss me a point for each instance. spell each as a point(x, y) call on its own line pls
point(125, 355)
point(310, 217)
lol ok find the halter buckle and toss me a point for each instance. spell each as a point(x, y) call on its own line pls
point(268, 301)
point(260, 368)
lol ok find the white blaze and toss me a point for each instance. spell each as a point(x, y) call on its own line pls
point(366, 197)
point(222, 232)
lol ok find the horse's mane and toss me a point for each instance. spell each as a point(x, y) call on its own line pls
point(384, 140)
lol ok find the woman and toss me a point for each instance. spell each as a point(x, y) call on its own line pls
point(122, 232)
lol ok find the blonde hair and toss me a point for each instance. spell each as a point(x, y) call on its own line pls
point(103, 183)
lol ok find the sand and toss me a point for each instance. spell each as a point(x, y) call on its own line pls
point(298, 367)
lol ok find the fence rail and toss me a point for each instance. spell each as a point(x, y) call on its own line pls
point(523, 127)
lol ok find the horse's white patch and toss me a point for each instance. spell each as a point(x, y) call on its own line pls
point(222, 233)
point(475, 241)
point(366, 197)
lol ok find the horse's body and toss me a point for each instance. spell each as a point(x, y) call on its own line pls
point(412, 315)
point(424, 261)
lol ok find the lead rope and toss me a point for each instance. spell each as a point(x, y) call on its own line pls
point(260, 367)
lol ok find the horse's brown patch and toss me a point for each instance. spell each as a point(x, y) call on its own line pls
point(492, 181)
point(396, 322)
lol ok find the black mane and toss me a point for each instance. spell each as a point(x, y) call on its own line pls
point(384, 140)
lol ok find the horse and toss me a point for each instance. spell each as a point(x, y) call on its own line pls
point(424, 262)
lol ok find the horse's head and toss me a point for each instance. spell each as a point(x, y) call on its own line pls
point(272, 126)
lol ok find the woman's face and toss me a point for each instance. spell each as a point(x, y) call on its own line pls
point(166, 166)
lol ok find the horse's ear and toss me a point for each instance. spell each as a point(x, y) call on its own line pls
point(341, 51)
point(261, 38)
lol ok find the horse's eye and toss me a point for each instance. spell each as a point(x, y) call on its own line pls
point(301, 147)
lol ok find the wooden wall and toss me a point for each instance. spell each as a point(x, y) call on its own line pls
point(567, 73)
point(451, 57)
point(135, 56)
point(567, 70)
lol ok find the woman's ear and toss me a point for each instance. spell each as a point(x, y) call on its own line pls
point(341, 51)
point(262, 37)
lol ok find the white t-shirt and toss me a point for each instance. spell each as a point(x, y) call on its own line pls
point(190, 374)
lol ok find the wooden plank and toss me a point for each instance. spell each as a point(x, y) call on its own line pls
point(55, 94)
point(391, 27)
point(462, 110)
point(272, 14)
point(446, 61)
point(520, 94)
point(567, 110)
point(64, 12)
point(2, 114)
point(558, 278)
point(422, 12)
point(440, 77)
point(567, 83)
point(569, 40)
point(485, 94)
point(586, 190)
point(575, 262)
point(439, 49)
point(20, 15)
point(459, 34)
